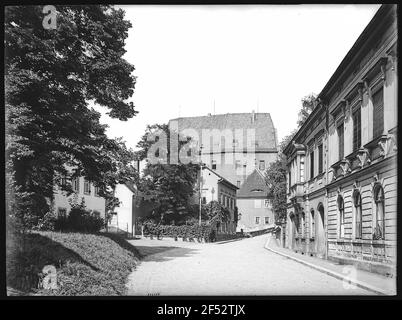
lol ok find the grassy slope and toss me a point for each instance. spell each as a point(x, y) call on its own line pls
point(87, 264)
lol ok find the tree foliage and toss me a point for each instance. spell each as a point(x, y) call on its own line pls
point(308, 105)
point(169, 184)
point(275, 178)
point(216, 212)
point(51, 76)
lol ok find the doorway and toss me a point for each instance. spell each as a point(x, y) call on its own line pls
point(320, 231)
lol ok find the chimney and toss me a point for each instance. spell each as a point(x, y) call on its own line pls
point(253, 117)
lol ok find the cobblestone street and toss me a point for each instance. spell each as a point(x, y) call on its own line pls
point(242, 267)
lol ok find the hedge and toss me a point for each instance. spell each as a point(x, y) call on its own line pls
point(205, 232)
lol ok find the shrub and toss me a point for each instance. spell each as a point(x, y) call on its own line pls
point(79, 219)
point(47, 222)
point(184, 231)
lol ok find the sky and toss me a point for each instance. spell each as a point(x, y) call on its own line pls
point(239, 58)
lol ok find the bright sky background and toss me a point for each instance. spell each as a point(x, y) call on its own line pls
point(264, 58)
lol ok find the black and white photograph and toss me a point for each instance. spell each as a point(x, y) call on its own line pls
point(200, 150)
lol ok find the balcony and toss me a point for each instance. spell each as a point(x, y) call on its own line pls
point(296, 191)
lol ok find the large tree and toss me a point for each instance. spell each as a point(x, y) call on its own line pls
point(51, 77)
point(275, 178)
point(167, 182)
point(308, 105)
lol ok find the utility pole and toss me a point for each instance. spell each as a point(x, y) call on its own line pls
point(200, 186)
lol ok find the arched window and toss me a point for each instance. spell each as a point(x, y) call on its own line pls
point(312, 224)
point(341, 217)
point(379, 229)
point(357, 201)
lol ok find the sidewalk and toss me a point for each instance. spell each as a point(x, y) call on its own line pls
point(366, 280)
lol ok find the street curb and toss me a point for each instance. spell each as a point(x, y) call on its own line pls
point(336, 275)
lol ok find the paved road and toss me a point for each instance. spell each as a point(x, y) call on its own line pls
point(234, 268)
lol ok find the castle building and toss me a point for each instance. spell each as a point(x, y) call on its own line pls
point(232, 144)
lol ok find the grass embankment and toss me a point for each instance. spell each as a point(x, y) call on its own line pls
point(87, 264)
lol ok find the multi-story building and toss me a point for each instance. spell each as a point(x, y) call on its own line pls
point(254, 205)
point(233, 144)
point(83, 190)
point(214, 187)
point(342, 183)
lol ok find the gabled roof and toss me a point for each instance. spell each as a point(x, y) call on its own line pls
point(265, 132)
point(221, 179)
point(131, 186)
point(254, 186)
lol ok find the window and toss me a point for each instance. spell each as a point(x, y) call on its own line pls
point(340, 141)
point(204, 200)
point(64, 181)
point(341, 217)
point(96, 192)
point(290, 180)
point(257, 220)
point(267, 203)
point(87, 187)
point(358, 214)
point(303, 225)
point(320, 159)
point(312, 225)
point(213, 164)
point(238, 183)
point(76, 184)
point(262, 165)
point(301, 168)
point(266, 220)
point(379, 230)
point(61, 212)
point(189, 153)
point(311, 164)
point(257, 204)
point(378, 113)
point(357, 138)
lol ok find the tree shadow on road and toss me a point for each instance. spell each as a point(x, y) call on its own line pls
point(164, 253)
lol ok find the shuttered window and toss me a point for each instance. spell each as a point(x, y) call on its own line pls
point(312, 165)
point(320, 159)
point(379, 230)
point(341, 209)
point(358, 215)
point(357, 129)
point(340, 141)
point(378, 113)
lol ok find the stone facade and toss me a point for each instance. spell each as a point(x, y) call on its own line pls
point(342, 186)
point(233, 144)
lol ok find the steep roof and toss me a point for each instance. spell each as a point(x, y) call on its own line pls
point(221, 179)
point(131, 186)
point(255, 181)
point(265, 132)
